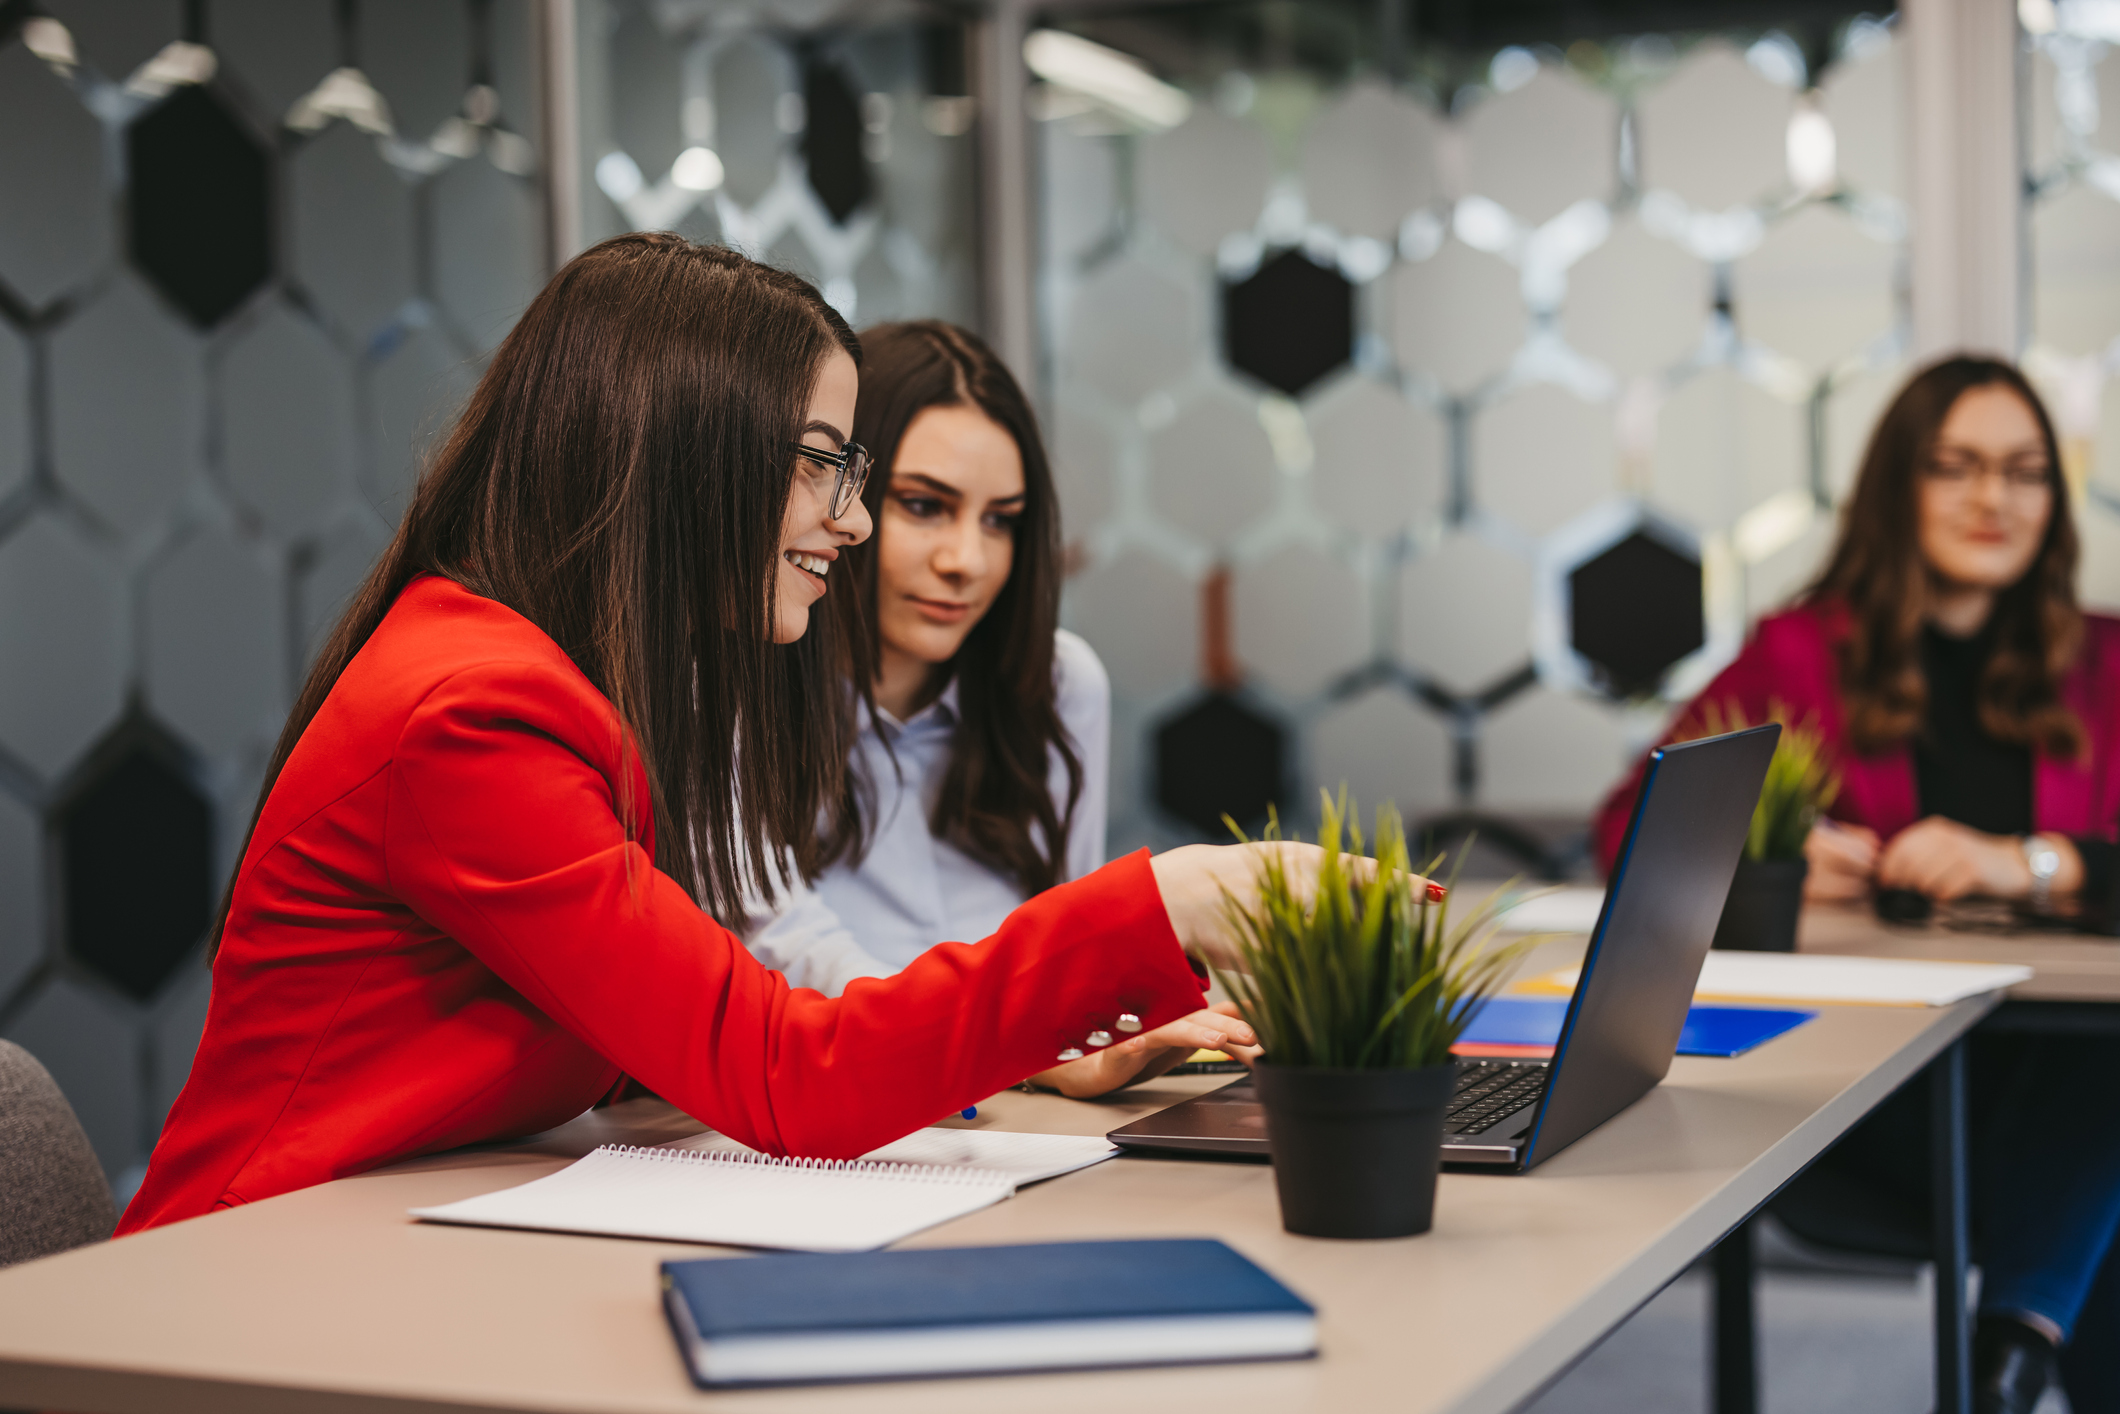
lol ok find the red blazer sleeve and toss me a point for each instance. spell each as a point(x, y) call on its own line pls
point(503, 831)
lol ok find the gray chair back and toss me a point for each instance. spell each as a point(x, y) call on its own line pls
point(52, 1192)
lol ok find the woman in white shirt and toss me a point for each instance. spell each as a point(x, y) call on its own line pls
point(980, 775)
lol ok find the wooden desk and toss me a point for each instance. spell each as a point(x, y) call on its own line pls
point(330, 1299)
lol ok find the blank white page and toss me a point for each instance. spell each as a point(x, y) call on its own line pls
point(1828, 977)
point(730, 1199)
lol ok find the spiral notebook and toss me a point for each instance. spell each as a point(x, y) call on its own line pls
point(724, 1193)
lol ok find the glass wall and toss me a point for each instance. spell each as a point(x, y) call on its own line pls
point(2072, 227)
point(838, 145)
point(1434, 409)
point(252, 251)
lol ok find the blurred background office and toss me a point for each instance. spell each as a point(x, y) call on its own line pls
point(1437, 387)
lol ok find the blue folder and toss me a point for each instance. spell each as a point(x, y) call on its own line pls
point(1710, 1030)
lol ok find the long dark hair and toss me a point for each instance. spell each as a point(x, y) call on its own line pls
point(618, 478)
point(995, 802)
point(1876, 572)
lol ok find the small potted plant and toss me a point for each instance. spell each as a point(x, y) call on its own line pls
point(1357, 990)
point(1766, 895)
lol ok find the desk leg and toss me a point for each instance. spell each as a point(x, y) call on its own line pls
point(1947, 1159)
point(1736, 1328)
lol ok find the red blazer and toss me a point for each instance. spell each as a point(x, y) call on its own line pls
point(1791, 663)
point(443, 933)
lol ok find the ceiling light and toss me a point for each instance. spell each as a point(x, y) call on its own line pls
point(697, 169)
point(1116, 81)
point(1813, 151)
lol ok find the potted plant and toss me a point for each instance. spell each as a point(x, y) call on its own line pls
point(1766, 895)
point(1357, 990)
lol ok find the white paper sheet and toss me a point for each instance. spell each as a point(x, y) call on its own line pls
point(1818, 977)
point(679, 1197)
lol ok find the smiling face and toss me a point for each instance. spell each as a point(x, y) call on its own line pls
point(948, 538)
point(1985, 494)
point(810, 537)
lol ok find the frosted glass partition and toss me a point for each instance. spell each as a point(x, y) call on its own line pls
point(832, 140)
point(1441, 430)
point(2072, 214)
point(272, 243)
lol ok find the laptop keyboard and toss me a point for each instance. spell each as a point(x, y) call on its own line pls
point(1488, 1092)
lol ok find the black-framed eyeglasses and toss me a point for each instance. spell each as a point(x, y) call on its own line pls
point(852, 464)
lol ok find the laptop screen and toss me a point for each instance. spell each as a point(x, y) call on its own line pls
point(1661, 908)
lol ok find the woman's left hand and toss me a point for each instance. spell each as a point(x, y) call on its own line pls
point(1947, 860)
point(1143, 1057)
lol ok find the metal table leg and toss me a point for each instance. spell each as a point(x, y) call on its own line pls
point(1736, 1351)
point(1947, 1161)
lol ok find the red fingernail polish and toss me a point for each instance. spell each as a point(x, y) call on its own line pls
point(1436, 892)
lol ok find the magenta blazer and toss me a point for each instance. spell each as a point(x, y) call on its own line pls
point(1790, 664)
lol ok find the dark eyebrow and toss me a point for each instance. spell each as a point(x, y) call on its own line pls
point(940, 488)
point(943, 488)
point(839, 439)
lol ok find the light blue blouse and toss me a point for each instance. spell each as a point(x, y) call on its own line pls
point(911, 890)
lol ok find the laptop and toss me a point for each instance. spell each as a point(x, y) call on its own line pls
point(1621, 1031)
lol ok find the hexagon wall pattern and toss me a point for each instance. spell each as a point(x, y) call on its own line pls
point(834, 141)
point(2072, 220)
point(260, 277)
point(1506, 330)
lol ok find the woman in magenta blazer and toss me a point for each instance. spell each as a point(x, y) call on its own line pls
point(579, 711)
point(1973, 711)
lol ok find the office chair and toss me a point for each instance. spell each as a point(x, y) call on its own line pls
point(53, 1196)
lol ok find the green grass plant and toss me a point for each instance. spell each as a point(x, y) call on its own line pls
point(1363, 972)
point(1801, 783)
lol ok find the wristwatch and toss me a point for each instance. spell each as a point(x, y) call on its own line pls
point(2045, 862)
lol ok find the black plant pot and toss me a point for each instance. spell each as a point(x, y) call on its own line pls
point(1355, 1151)
point(1765, 899)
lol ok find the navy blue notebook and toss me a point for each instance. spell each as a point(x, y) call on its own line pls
point(1511, 1025)
point(813, 1318)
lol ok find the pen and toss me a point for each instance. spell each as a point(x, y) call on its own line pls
point(971, 1112)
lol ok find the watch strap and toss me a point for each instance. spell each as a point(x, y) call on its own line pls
point(2045, 862)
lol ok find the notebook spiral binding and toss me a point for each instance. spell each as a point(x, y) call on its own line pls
point(867, 1168)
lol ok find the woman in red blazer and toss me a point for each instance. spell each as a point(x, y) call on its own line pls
point(571, 717)
point(1973, 712)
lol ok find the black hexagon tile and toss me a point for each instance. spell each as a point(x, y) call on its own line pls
point(1633, 611)
point(832, 139)
point(135, 841)
point(200, 210)
point(1289, 323)
point(1220, 756)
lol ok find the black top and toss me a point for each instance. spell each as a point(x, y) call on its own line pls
point(1963, 774)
